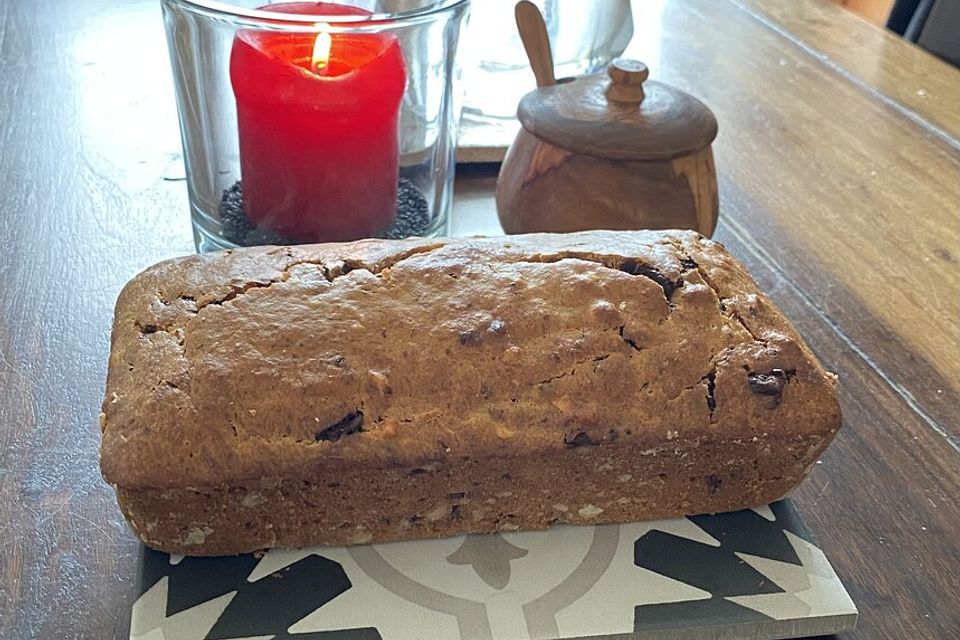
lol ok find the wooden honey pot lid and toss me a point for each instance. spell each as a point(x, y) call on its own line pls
point(619, 115)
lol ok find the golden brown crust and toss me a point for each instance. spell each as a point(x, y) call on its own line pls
point(318, 362)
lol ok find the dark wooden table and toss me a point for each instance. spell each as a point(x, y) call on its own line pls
point(839, 161)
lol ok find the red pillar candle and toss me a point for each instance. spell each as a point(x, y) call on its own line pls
point(317, 118)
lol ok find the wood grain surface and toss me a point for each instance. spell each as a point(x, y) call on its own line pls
point(880, 62)
point(838, 190)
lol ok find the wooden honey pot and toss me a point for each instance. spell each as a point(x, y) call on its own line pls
point(610, 150)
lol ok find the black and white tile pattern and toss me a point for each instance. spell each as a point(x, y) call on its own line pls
point(750, 574)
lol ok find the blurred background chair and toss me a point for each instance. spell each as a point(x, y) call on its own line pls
point(932, 24)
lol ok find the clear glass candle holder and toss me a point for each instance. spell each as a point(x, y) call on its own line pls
point(315, 121)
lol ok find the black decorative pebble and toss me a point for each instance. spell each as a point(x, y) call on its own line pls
point(412, 219)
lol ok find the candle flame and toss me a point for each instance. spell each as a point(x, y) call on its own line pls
point(321, 49)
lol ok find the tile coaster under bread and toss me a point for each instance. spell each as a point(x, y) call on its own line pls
point(749, 575)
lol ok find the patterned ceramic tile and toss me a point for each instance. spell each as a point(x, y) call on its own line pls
point(750, 574)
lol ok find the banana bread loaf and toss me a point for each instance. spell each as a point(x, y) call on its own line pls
point(380, 390)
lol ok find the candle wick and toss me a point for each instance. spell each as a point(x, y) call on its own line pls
point(321, 51)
